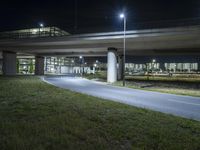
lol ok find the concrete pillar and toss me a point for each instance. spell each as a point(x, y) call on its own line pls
point(9, 63)
point(39, 65)
point(120, 67)
point(112, 65)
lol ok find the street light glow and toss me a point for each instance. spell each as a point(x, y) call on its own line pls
point(121, 16)
point(41, 25)
point(80, 57)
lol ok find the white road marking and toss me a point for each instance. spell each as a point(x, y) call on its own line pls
point(177, 101)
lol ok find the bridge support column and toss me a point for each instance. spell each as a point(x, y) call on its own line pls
point(39, 65)
point(112, 65)
point(9, 63)
point(120, 67)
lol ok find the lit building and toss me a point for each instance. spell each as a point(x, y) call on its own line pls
point(33, 32)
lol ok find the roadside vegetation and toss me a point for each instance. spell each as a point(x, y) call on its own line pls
point(170, 88)
point(38, 116)
point(180, 84)
point(176, 78)
point(99, 76)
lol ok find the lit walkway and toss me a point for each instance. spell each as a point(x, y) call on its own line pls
point(185, 106)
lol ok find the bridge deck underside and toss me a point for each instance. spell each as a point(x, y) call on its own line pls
point(159, 42)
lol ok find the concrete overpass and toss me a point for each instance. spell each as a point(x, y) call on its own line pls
point(168, 41)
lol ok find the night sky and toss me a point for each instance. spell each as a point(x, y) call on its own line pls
point(96, 16)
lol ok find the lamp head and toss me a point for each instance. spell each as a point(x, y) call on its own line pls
point(41, 25)
point(122, 15)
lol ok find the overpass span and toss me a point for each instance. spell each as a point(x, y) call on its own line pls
point(184, 40)
point(168, 41)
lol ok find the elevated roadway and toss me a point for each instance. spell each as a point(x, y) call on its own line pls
point(168, 41)
point(184, 40)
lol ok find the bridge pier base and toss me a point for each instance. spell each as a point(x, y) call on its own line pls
point(112, 65)
point(120, 67)
point(9, 63)
point(39, 65)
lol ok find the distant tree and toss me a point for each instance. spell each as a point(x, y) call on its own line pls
point(18, 65)
point(31, 67)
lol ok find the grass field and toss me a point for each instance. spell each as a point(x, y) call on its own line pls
point(38, 116)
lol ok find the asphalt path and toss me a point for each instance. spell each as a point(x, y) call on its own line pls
point(184, 106)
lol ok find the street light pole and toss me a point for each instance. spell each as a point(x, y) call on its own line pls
point(41, 26)
point(81, 61)
point(124, 51)
point(124, 66)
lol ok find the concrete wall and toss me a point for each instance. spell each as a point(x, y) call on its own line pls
point(66, 69)
point(9, 63)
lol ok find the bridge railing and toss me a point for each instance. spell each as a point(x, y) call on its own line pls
point(132, 27)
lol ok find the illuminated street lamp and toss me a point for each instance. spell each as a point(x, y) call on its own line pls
point(41, 26)
point(81, 62)
point(153, 64)
point(174, 67)
point(122, 16)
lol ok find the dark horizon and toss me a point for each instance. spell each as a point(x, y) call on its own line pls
point(77, 16)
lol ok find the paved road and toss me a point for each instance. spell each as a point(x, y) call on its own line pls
point(185, 106)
